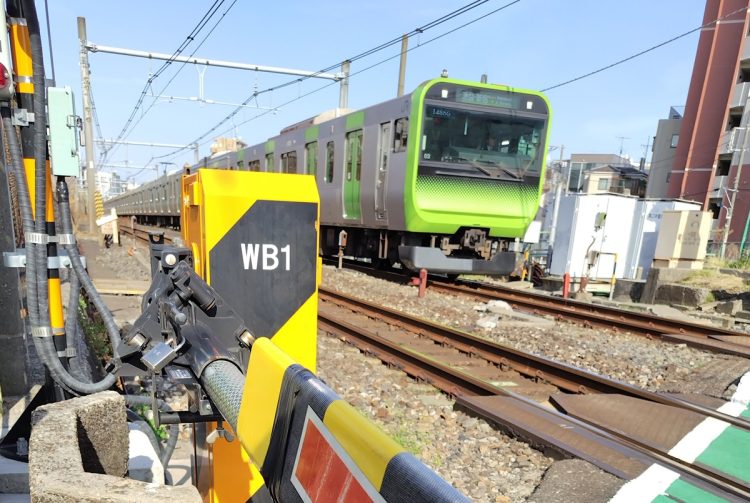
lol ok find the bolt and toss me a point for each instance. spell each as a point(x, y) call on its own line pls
point(246, 339)
point(170, 259)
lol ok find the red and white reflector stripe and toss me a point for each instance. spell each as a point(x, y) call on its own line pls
point(323, 471)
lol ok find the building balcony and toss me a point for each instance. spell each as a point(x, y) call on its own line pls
point(745, 58)
point(739, 97)
point(728, 141)
point(720, 183)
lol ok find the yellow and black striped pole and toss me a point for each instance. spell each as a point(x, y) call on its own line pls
point(22, 65)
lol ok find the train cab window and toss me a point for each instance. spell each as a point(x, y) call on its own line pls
point(401, 134)
point(269, 162)
point(311, 158)
point(329, 162)
point(253, 165)
point(289, 162)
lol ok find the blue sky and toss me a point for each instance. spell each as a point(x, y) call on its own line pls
point(532, 44)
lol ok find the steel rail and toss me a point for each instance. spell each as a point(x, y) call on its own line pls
point(588, 315)
point(595, 315)
point(459, 384)
point(141, 231)
point(565, 377)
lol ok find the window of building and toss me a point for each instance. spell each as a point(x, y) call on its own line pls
point(603, 183)
point(311, 158)
point(675, 139)
point(269, 162)
point(714, 206)
point(253, 165)
point(329, 162)
point(401, 134)
point(289, 162)
point(722, 167)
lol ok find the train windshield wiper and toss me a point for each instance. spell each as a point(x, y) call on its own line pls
point(494, 166)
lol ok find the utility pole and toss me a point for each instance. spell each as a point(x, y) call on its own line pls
point(344, 85)
point(735, 189)
point(402, 65)
point(645, 153)
point(88, 131)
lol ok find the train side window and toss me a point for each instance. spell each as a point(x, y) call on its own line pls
point(253, 165)
point(401, 134)
point(269, 162)
point(329, 162)
point(289, 162)
point(353, 154)
point(311, 158)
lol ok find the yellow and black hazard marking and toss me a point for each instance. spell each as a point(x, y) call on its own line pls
point(313, 446)
point(254, 238)
point(98, 204)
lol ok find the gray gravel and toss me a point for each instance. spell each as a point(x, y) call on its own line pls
point(634, 359)
point(483, 463)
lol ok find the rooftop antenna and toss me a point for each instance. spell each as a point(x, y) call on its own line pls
point(622, 141)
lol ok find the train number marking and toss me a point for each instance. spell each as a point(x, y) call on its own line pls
point(266, 254)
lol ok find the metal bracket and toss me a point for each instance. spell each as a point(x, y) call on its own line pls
point(21, 117)
point(70, 352)
point(17, 259)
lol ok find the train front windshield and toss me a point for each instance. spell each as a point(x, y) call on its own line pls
point(478, 143)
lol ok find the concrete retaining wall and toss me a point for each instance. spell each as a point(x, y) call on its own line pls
point(79, 452)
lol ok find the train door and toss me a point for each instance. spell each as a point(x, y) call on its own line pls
point(352, 174)
point(384, 153)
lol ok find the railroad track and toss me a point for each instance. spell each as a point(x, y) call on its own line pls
point(706, 337)
point(141, 232)
point(480, 374)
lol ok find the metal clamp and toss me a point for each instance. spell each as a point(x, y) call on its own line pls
point(21, 116)
point(41, 332)
point(38, 238)
point(17, 259)
point(70, 352)
point(66, 239)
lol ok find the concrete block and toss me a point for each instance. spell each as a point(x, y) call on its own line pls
point(730, 307)
point(680, 295)
point(628, 290)
point(743, 315)
point(79, 452)
point(143, 461)
point(658, 276)
point(736, 272)
point(552, 283)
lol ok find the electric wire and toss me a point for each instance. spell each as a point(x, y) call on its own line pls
point(49, 41)
point(645, 51)
point(188, 40)
point(182, 66)
point(385, 45)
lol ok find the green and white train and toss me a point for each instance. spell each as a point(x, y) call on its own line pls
point(443, 178)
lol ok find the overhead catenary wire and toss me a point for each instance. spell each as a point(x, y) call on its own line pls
point(180, 68)
point(369, 52)
point(188, 40)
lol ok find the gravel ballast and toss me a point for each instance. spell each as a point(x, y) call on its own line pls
point(634, 359)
